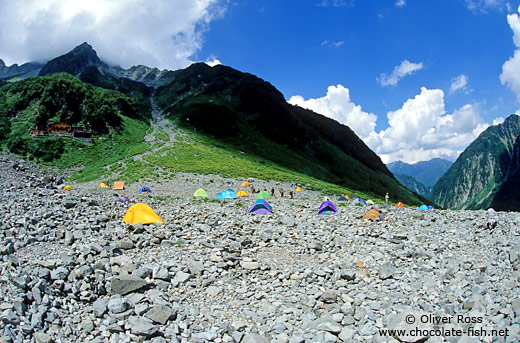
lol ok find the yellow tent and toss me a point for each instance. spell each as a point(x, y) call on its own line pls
point(242, 194)
point(298, 189)
point(244, 184)
point(102, 185)
point(118, 185)
point(67, 188)
point(370, 202)
point(141, 213)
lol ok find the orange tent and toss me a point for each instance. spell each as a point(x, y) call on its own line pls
point(371, 214)
point(399, 204)
point(244, 184)
point(118, 185)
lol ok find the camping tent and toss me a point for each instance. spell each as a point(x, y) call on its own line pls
point(250, 180)
point(123, 199)
point(327, 207)
point(399, 204)
point(370, 202)
point(141, 213)
point(342, 198)
point(263, 195)
point(430, 207)
point(118, 185)
point(200, 193)
point(67, 188)
point(422, 207)
point(145, 189)
point(260, 207)
point(244, 184)
point(298, 189)
point(371, 214)
point(102, 185)
point(227, 194)
point(358, 201)
point(242, 194)
point(229, 182)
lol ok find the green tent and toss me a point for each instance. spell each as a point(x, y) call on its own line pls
point(200, 193)
point(263, 195)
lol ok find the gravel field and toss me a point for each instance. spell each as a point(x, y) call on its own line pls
point(72, 271)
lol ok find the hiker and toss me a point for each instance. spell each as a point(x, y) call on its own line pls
point(291, 194)
point(381, 215)
point(272, 192)
point(387, 198)
point(281, 192)
point(253, 189)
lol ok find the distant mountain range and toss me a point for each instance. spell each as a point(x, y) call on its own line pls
point(487, 172)
point(419, 177)
point(238, 109)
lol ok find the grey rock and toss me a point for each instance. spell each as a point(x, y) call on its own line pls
point(386, 270)
point(326, 324)
point(195, 267)
point(254, 338)
point(160, 314)
point(59, 273)
point(142, 272)
point(100, 307)
point(250, 265)
point(124, 284)
point(42, 337)
point(141, 326)
point(118, 305)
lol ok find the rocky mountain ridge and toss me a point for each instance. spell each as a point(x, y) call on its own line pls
point(482, 170)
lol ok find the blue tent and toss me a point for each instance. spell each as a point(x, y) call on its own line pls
point(342, 198)
point(145, 189)
point(229, 182)
point(260, 207)
point(123, 199)
point(327, 207)
point(358, 201)
point(430, 207)
point(227, 194)
point(422, 207)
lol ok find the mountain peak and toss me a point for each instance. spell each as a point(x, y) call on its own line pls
point(74, 62)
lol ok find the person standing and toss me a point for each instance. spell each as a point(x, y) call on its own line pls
point(387, 198)
point(281, 192)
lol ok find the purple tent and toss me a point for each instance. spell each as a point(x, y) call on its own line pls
point(260, 207)
point(327, 207)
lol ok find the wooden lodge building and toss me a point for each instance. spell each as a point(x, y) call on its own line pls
point(61, 128)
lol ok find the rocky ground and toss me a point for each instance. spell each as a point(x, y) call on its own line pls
point(72, 271)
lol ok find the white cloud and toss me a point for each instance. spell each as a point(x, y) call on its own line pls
point(459, 82)
point(400, 3)
point(405, 68)
point(498, 120)
point(510, 75)
point(482, 6)
point(212, 61)
point(420, 130)
point(161, 33)
point(336, 104)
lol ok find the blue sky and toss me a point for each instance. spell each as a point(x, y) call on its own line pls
point(414, 79)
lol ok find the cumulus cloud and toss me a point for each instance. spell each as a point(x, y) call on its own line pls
point(336, 104)
point(400, 3)
point(405, 68)
point(420, 130)
point(459, 82)
point(510, 75)
point(160, 33)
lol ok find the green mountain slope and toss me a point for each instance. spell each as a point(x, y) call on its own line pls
point(222, 121)
point(481, 170)
point(250, 115)
point(412, 184)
